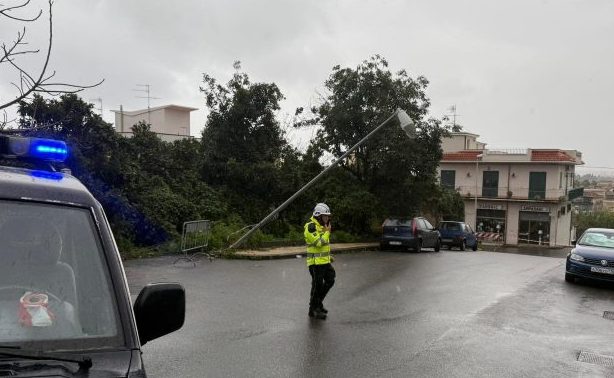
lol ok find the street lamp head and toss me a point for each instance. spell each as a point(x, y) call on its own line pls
point(407, 124)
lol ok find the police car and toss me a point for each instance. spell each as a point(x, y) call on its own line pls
point(65, 307)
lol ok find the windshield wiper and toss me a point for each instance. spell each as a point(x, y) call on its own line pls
point(15, 351)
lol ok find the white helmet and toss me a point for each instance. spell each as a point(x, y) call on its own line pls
point(321, 209)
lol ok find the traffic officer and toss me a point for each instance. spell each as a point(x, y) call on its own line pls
point(317, 237)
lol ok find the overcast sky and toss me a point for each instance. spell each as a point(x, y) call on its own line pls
point(522, 73)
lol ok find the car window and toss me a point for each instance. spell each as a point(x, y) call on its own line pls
point(421, 224)
point(54, 272)
point(468, 229)
point(450, 226)
point(597, 239)
point(428, 225)
point(397, 222)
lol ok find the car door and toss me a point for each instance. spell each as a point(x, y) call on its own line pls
point(430, 232)
point(470, 236)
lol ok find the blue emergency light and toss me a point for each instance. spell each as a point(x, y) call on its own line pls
point(33, 148)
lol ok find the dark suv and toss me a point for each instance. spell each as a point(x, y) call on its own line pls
point(413, 233)
point(65, 307)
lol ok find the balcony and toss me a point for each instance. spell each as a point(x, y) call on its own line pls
point(518, 194)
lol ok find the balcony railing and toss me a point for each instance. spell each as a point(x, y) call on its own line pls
point(513, 193)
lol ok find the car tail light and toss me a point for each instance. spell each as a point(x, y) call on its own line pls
point(414, 230)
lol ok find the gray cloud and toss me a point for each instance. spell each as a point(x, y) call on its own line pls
point(522, 73)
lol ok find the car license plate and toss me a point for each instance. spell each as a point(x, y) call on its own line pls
point(446, 240)
point(394, 243)
point(598, 269)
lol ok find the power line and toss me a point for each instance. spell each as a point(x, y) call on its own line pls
point(593, 167)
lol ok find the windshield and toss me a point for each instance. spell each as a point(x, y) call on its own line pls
point(397, 222)
point(54, 286)
point(598, 239)
point(450, 226)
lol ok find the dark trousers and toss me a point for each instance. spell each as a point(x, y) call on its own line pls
point(322, 279)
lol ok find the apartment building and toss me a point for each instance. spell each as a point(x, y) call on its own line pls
point(169, 122)
point(524, 195)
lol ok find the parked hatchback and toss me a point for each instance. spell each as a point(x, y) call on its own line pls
point(409, 233)
point(457, 234)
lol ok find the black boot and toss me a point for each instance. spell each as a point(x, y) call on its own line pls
point(322, 309)
point(317, 313)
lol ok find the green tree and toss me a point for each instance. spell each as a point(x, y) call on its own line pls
point(449, 205)
point(603, 219)
point(94, 149)
point(148, 187)
point(243, 143)
point(399, 172)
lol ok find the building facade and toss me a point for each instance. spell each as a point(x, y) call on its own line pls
point(523, 195)
point(169, 122)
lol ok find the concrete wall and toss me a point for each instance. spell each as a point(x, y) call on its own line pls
point(176, 122)
point(563, 236)
point(470, 213)
point(155, 118)
point(513, 218)
point(163, 121)
point(461, 142)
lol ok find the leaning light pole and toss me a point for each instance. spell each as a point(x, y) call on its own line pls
point(399, 116)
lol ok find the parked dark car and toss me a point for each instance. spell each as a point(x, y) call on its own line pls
point(409, 233)
point(457, 234)
point(592, 257)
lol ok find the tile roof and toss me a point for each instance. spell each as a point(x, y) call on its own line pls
point(461, 156)
point(550, 155)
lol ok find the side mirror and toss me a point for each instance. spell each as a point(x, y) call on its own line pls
point(159, 310)
point(574, 242)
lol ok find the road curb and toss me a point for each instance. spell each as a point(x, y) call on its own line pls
point(265, 256)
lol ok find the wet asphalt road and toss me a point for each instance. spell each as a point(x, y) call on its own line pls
point(392, 314)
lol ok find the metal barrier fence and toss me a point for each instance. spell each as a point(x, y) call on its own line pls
point(494, 236)
point(195, 236)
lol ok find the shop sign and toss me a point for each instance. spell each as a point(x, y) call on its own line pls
point(537, 209)
point(486, 206)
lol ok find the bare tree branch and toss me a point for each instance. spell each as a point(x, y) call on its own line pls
point(5, 11)
point(28, 83)
point(11, 51)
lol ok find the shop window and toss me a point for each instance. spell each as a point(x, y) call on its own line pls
point(533, 228)
point(491, 221)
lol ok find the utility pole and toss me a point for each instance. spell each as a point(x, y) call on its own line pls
point(399, 116)
point(146, 88)
point(121, 120)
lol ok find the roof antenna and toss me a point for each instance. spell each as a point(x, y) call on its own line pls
point(146, 88)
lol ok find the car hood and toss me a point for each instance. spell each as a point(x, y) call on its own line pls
point(107, 364)
point(594, 252)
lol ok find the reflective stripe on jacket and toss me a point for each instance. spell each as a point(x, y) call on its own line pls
point(318, 243)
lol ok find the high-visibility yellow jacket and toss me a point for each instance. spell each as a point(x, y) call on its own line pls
point(318, 243)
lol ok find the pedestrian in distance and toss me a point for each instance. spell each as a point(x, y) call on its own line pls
point(319, 259)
